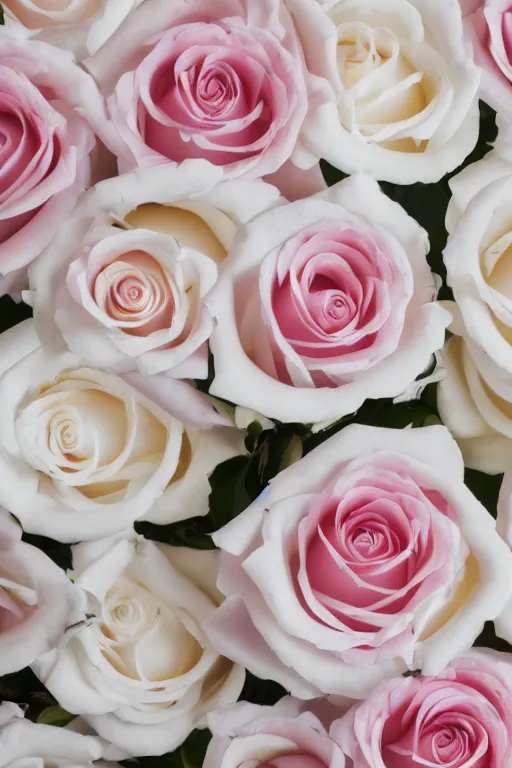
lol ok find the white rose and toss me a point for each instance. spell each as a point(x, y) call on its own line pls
point(39, 607)
point(404, 87)
point(81, 26)
point(474, 399)
point(124, 282)
point(144, 675)
point(324, 303)
point(83, 453)
point(24, 744)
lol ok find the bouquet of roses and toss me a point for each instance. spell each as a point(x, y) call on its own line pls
point(256, 383)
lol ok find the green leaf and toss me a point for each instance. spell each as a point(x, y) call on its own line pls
point(486, 488)
point(2, 20)
point(230, 493)
point(55, 716)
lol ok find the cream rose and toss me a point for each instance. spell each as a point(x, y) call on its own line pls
point(81, 26)
point(144, 675)
point(123, 284)
point(475, 398)
point(403, 106)
point(84, 454)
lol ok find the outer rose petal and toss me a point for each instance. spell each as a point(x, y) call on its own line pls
point(81, 28)
point(239, 380)
point(437, 454)
point(54, 609)
point(21, 740)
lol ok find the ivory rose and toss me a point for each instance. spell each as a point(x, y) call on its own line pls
point(478, 417)
point(123, 284)
point(143, 675)
point(324, 303)
point(479, 268)
point(222, 81)
point(84, 454)
point(80, 26)
point(366, 559)
point(39, 607)
point(488, 24)
point(281, 736)
point(461, 718)
point(403, 87)
point(44, 152)
point(27, 744)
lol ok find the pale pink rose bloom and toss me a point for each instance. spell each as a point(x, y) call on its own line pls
point(462, 718)
point(324, 303)
point(223, 81)
point(44, 155)
point(124, 282)
point(283, 736)
point(367, 558)
point(79, 26)
point(39, 607)
point(489, 27)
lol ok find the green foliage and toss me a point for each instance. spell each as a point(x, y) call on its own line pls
point(2, 20)
point(55, 716)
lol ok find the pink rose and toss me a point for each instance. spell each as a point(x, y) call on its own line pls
point(124, 282)
point(282, 736)
point(39, 606)
point(44, 154)
point(366, 558)
point(324, 303)
point(223, 81)
point(460, 719)
point(489, 25)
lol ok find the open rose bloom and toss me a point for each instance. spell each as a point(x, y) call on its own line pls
point(124, 283)
point(366, 559)
point(402, 103)
point(279, 736)
point(224, 81)
point(474, 399)
point(45, 147)
point(324, 303)
point(461, 718)
point(144, 675)
point(85, 453)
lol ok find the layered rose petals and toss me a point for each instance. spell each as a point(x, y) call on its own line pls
point(459, 719)
point(324, 303)
point(366, 559)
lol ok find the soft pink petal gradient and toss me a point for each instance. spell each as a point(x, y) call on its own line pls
point(461, 718)
point(223, 81)
point(44, 150)
point(488, 24)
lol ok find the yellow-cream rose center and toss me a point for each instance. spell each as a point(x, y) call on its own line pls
point(89, 431)
point(144, 638)
point(382, 86)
